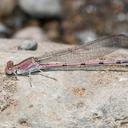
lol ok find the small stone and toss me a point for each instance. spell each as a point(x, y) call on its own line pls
point(16, 20)
point(121, 17)
point(28, 45)
point(91, 8)
point(86, 36)
point(4, 31)
point(52, 30)
point(41, 8)
point(70, 38)
point(31, 32)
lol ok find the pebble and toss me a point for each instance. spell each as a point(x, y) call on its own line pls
point(68, 33)
point(70, 38)
point(52, 30)
point(6, 7)
point(4, 31)
point(16, 20)
point(121, 17)
point(28, 45)
point(41, 8)
point(31, 32)
point(87, 36)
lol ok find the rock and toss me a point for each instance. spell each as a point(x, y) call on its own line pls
point(52, 29)
point(16, 20)
point(34, 33)
point(70, 38)
point(86, 36)
point(6, 7)
point(41, 8)
point(28, 45)
point(68, 33)
point(121, 17)
point(78, 99)
point(4, 31)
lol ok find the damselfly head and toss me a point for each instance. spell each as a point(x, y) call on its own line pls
point(9, 68)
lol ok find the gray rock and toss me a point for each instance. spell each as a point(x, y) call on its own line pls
point(4, 31)
point(41, 7)
point(32, 33)
point(86, 36)
point(121, 17)
point(28, 45)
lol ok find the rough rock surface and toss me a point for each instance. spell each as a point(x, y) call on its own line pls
point(78, 99)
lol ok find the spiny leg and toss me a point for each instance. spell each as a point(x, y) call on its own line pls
point(29, 78)
point(16, 76)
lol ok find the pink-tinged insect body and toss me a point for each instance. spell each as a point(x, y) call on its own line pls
point(25, 67)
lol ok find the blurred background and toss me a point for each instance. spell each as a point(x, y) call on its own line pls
point(63, 21)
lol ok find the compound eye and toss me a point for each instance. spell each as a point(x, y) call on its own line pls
point(10, 64)
point(9, 68)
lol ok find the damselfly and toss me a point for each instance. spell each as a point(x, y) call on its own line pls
point(80, 57)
